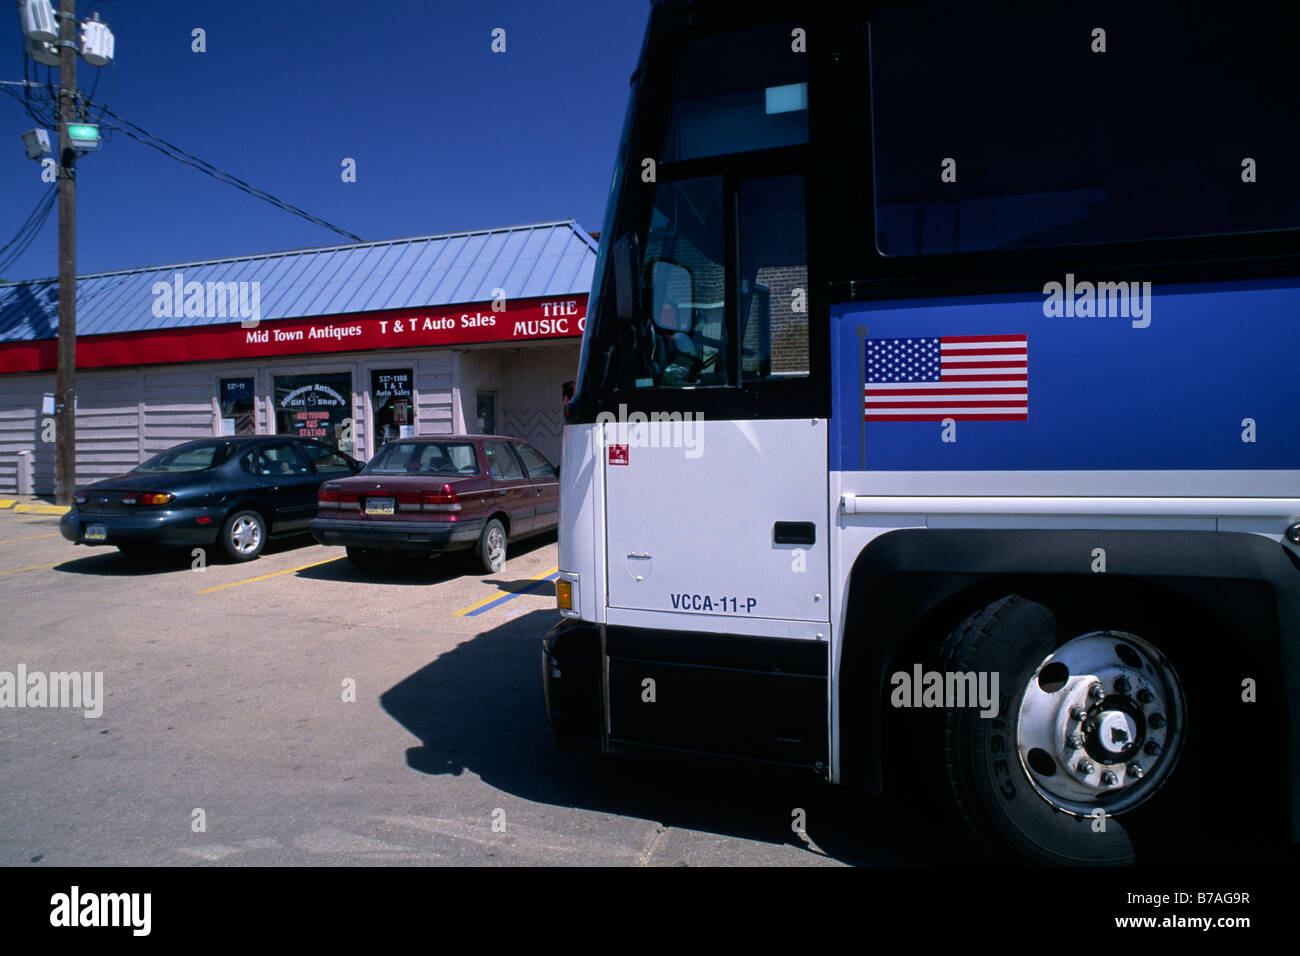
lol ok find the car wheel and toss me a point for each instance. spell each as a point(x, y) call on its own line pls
point(492, 546)
point(1086, 730)
point(243, 536)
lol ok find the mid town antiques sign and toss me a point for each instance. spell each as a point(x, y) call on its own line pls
point(522, 320)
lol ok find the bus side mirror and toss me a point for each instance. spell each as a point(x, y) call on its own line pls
point(627, 290)
point(670, 300)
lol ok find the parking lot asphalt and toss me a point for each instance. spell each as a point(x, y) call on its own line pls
point(228, 737)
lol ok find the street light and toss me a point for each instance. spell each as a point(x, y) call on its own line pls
point(83, 136)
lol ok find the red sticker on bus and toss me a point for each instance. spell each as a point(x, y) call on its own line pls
point(618, 454)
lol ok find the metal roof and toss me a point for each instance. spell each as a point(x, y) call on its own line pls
point(542, 259)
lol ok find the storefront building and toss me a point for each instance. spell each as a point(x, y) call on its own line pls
point(354, 344)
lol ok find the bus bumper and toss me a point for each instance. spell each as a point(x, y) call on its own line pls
point(571, 685)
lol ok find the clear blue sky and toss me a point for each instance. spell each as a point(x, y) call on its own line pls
point(446, 134)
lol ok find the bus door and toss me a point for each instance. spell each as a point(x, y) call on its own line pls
point(716, 494)
point(738, 530)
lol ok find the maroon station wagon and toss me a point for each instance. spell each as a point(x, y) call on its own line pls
point(430, 495)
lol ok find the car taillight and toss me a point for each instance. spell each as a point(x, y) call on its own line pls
point(79, 497)
point(153, 498)
point(328, 494)
point(440, 499)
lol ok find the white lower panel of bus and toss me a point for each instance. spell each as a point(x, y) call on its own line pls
point(757, 627)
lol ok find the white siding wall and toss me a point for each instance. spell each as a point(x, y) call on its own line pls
point(531, 400)
point(434, 377)
point(20, 407)
point(528, 383)
point(126, 415)
point(480, 370)
point(108, 426)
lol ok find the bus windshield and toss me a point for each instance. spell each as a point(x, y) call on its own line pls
point(737, 105)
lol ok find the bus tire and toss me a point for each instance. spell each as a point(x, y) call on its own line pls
point(1037, 782)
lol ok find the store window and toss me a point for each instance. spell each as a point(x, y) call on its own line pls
point(392, 404)
point(237, 410)
point(316, 406)
point(487, 413)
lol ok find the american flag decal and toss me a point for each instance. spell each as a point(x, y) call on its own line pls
point(972, 378)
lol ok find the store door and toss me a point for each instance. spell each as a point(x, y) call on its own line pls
point(392, 402)
point(237, 410)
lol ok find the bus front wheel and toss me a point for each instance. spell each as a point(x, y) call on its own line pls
point(1084, 731)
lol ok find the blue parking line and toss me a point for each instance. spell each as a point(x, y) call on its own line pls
point(530, 586)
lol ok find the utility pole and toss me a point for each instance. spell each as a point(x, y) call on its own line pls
point(51, 40)
point(65, 398)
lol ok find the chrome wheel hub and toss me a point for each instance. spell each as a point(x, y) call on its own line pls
point(1101, 723)
point(496, 543)
point(246, 534)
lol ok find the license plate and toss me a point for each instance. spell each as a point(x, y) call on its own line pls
point(379, 506)
point(96, 532)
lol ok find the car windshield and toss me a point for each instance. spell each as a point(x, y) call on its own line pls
point(424, 458)
point(188, 458)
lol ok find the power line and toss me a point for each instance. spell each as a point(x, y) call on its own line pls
point(29, 230)
point(28, 83)
point(142, 135)
point(172, 151)
point(25, 98)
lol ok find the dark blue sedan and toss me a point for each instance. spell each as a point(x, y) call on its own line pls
point(233, 492)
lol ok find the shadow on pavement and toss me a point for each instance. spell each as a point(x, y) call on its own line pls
point(414, 571)
point(110, 562)
point(479, 707)
point(418, 569)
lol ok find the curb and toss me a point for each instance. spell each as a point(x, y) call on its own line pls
point(10, 504)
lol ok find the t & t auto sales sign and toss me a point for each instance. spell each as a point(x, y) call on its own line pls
point(522, 320)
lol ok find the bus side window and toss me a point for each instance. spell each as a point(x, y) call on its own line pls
point(685, 342)
point(773, 278)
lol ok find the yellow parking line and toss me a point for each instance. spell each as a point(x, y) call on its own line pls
point(36, 567)
point(41, 509)
point(8, 502)
point(514, 589)
point(52, 534)
point(273, 574)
